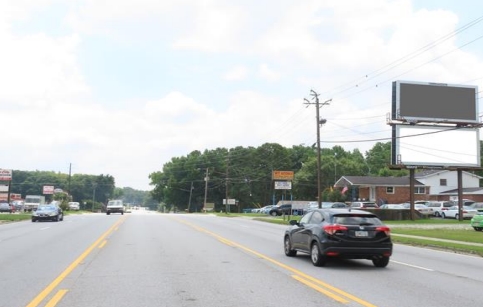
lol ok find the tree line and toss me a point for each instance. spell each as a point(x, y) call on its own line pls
point(91, 191)
point(245, 174)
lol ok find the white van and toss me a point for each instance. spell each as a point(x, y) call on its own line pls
point(439, 206)
point(73, 205)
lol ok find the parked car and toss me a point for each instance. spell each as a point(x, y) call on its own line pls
point(453, 212)
point(339, 233)
point(477, 205)
point(326, 205)
point(6, 207)
point(465, 202)
point(73, 205)
point(421, 208)
point(364, 205)
point(266, 209)
point(281, 209)
point(391, 206)
point(439, 207)
point(477, 221)
point(18, 204)
point(49, 212)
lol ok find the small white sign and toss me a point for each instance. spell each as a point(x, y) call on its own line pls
point(283, 185)
point(48, 189)
point(231, 201)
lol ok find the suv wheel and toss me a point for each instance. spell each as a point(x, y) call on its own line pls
point(442, 215)
point(381, 261)
point(273, 213)
point(316, 256)
point(288, 248)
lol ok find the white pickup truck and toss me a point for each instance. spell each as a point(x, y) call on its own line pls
point(115, 206)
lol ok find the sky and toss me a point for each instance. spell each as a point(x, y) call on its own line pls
point(120, 87)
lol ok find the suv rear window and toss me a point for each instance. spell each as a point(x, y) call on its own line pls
point(353, 219)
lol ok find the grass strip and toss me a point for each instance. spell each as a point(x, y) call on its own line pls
point(446, 246)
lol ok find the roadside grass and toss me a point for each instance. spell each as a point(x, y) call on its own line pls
point(433, 228)
point(465, 235)
point(14, 217)
point(446, 246)
point(17, 217)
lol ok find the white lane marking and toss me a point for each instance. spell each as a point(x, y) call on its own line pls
point(413, 266)
point(44, 228)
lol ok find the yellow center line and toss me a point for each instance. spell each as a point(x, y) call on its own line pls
point(57, 297)
point(42, 295)
point(293, 270)
point(320, 289)
point(102, 244)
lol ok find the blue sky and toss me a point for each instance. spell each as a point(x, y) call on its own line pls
point(121, 87)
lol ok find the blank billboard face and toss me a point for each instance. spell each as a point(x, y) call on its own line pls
point(435, 146)
point(433, 102)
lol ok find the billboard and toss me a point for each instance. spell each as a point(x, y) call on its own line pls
point(282, 175)
point(48, 189)
point(437, 146)
point(434, 102)
point(5, 174)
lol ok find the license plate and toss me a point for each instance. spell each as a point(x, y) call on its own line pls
point(361, 233)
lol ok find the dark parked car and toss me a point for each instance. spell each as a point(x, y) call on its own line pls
point(342, 233)
point(6, 207)
point(50, 212)
point(282, 209)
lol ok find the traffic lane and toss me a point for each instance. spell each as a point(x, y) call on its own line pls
point(404, 280)
point(158, 260)
point(34, 254)
point(445, 262)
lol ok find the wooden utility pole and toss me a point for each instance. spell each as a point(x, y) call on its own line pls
point(320, 122)
point(206, 188)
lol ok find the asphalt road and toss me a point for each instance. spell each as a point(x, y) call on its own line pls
point(143, 259)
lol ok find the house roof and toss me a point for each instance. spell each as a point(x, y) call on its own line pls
point(430, 173)
point(374, 181)
point(475, 190)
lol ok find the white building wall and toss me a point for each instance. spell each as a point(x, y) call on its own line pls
point(433, 181)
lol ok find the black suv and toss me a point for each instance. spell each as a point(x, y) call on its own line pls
point(342, 233)
point(281, 209)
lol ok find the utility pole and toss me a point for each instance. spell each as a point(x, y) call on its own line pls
point(70, 172)
point(191, 192)
point(226, 191)
point(206, 188)
point(319, 123)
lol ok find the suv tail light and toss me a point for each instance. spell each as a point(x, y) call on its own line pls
point(384, 229)
point(333, 228)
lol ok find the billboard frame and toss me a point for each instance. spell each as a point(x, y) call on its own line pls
point(407, 111)
point(399, 153)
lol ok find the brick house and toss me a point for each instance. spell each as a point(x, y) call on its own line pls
point(429, 185)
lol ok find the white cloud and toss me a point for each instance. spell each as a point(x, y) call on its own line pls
point(268, 74)
point(58, 118)
point(237, 73)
